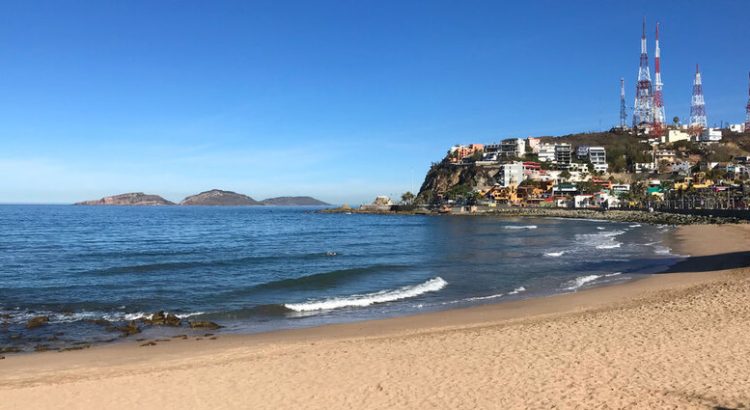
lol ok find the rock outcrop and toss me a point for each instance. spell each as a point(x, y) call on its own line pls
point(443, 176)
point(293, 201)
point(133, 198)
point(217, 197)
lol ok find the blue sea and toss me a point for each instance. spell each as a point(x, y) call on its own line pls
point(256, 269)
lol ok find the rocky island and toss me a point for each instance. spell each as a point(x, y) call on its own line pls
point(217, 197)
point(129, 199)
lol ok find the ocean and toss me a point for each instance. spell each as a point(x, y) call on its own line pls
point(256, 269)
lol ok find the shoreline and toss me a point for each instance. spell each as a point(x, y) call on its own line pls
point(713, 264)
point(614, 215)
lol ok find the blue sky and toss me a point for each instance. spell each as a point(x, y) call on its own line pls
point(342, 100)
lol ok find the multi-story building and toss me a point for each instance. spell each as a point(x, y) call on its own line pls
point(510, 174)
point(513, 148)
point(459, 152)
point(582, 152)
point(563, 154)
point(598, 157)
point(547, 153)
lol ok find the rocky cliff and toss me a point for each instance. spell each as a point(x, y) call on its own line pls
point(293, 201)
point(133, 198)
point(217, 197)
point(443, 176)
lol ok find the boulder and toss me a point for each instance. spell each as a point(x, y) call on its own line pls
point(129, 329)
point(37, 321)
point(200, 324)
point(163, 319)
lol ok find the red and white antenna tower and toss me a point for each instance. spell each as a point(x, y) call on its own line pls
point(643, 112)
point(659, 116)
point(747, 109)
point(698, 105)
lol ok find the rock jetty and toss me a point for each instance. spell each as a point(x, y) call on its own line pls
point(293, 201)
point(130, 199)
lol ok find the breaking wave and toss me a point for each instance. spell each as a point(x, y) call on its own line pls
point(432, 285)
point(554, 254)
point(520, 227)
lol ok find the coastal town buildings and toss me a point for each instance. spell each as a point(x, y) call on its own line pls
point(513, 148)
point(598, 157)
point(547, 152)
point(533, 144)
point(710, 135)
point(511, 174)
point(563, 155)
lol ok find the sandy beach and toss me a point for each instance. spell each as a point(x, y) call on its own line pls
point(675, 340)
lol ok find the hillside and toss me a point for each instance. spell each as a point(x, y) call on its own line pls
point(293, 201)
point(217, 197)
point(129, 199)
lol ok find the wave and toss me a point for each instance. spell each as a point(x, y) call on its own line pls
point(322, 280)
point(580, 281)
point(517, 290)
point(17, 316)
point(601, 228)
point(610, 246)
point(495, 296)
point(520, 227)
point(555, 254)
point(432, 285)
point(634, 226)
point(601, 240)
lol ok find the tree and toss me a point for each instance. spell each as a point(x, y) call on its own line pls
point(565, 174)
point(676, 121)
point(407, 198)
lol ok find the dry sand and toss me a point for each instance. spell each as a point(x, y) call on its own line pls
point(670, 341)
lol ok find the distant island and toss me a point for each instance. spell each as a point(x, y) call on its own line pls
point(133, 199)
point(214, 197)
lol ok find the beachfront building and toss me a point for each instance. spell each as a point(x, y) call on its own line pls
point(563, 155)
point(511, 173)
point(737, 127)
point(512, 148)
point(598, 157)
point(547, 153)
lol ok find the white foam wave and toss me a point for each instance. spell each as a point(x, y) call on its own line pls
point(613, 274)
point(610, 246)
point(56, 317)
point(601, 228)
point(554, 254)
point(662, 250)
point(520, 227)
point(580, 281)
point(634, 226)
point(432, 285)
point(495, 296)
point(517, 290)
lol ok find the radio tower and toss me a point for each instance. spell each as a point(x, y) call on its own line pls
point(747, 109)
point(698, 105)
point(643, 112)
point(659, 115)
point(623, 111)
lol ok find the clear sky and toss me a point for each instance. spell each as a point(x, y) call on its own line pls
point(342, 100)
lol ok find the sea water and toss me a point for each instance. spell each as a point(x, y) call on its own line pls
point(255, 269)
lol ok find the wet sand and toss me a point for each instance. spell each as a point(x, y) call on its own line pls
point(678, 340)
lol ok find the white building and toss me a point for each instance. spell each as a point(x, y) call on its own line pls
point(674, 136)
point(582, 152)
point(644, 167)
point(710, 135)
point(598, 157)
point(563, 154)
point(510, 174)
point(737, 127)
point(513, 148)
point(547, 153)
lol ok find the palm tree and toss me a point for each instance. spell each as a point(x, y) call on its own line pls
point(407, 198)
